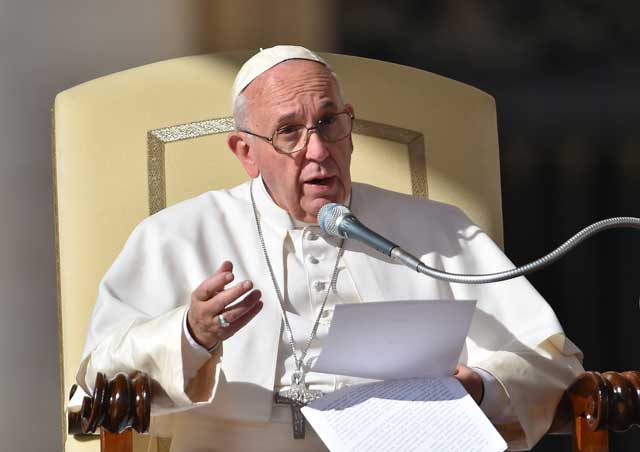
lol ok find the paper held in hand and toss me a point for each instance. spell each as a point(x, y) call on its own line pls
point(415, 346)
point(416, 414)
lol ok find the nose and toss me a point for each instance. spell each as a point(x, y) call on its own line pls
point(316, 147)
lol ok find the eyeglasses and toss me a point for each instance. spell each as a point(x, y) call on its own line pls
point(293, 138)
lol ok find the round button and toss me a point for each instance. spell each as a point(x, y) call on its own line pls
point(319, 285)
point(313, 259)
point(312, 236)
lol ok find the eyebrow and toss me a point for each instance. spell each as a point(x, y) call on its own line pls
point(286, 117)
point(326, 105)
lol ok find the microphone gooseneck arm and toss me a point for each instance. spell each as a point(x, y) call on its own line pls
point(340, 221)
point(419, 266)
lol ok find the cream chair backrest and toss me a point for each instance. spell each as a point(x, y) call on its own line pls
point(130, 143)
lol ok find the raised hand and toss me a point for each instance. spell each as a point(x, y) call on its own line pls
point(209, 320)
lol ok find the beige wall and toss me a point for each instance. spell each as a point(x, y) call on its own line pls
point(46, 47)
point(247, 24)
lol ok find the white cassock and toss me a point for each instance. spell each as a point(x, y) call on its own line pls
point(224, 400)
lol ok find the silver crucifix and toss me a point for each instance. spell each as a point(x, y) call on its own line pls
point(296, 397)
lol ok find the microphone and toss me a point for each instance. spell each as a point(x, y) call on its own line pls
point(337, 220)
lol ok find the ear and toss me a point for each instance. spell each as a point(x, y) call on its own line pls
point(348, 107)
point(244, 151)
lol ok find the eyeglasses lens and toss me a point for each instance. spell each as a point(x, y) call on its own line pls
point(294, 138)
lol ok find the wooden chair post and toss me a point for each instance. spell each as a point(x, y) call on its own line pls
point(603, 402)
point(116, 442)
point(117, 406)
point(587, 440)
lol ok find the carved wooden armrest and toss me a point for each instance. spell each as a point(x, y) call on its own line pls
point(607, 401)
point(116, 405)
point(596, 403)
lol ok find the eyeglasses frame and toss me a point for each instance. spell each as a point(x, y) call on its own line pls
point(308, 135)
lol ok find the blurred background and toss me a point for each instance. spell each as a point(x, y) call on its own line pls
point(565, 78)
point(564, 75)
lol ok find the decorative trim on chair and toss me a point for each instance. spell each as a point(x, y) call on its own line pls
point(415, 144)
point(158, 138)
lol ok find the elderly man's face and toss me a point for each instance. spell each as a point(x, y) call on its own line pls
point(295, 92)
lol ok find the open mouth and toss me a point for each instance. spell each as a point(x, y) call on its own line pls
point(320, 181)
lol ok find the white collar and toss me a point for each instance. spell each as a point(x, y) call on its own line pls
point(269, 210)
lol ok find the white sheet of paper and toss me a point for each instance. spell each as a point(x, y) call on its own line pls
point(422, 414)
point(398, 339)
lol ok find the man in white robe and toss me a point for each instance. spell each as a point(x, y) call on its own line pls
point(168, 307)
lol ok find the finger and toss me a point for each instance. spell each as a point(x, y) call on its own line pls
point(212, 285)
point(234, 313)
point(226, 266)
point(222, 299)
point(207, 288)
point(242, 321)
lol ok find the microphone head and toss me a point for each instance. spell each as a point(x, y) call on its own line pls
point(330, 216)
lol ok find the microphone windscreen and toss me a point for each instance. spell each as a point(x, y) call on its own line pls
point(329, 215)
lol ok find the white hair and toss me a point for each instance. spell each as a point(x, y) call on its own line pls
point(240, 111)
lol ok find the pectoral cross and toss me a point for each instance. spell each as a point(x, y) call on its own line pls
point(296, 397)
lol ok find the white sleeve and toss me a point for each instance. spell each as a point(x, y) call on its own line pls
point(495, 401)
point(533, 380)
point(182, 376)
point(138, 319)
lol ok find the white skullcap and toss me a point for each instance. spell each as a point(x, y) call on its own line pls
point(264, 60)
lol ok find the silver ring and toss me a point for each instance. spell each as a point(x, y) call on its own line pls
point(222, 321)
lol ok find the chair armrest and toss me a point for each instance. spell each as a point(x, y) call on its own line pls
point(610, 400)
point(595, 404)
point(116, 405)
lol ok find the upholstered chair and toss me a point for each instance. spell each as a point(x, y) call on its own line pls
point(129, 144)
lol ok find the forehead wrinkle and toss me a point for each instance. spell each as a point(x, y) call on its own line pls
point(291, 86)
point(285, 91)
point(290, 115)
